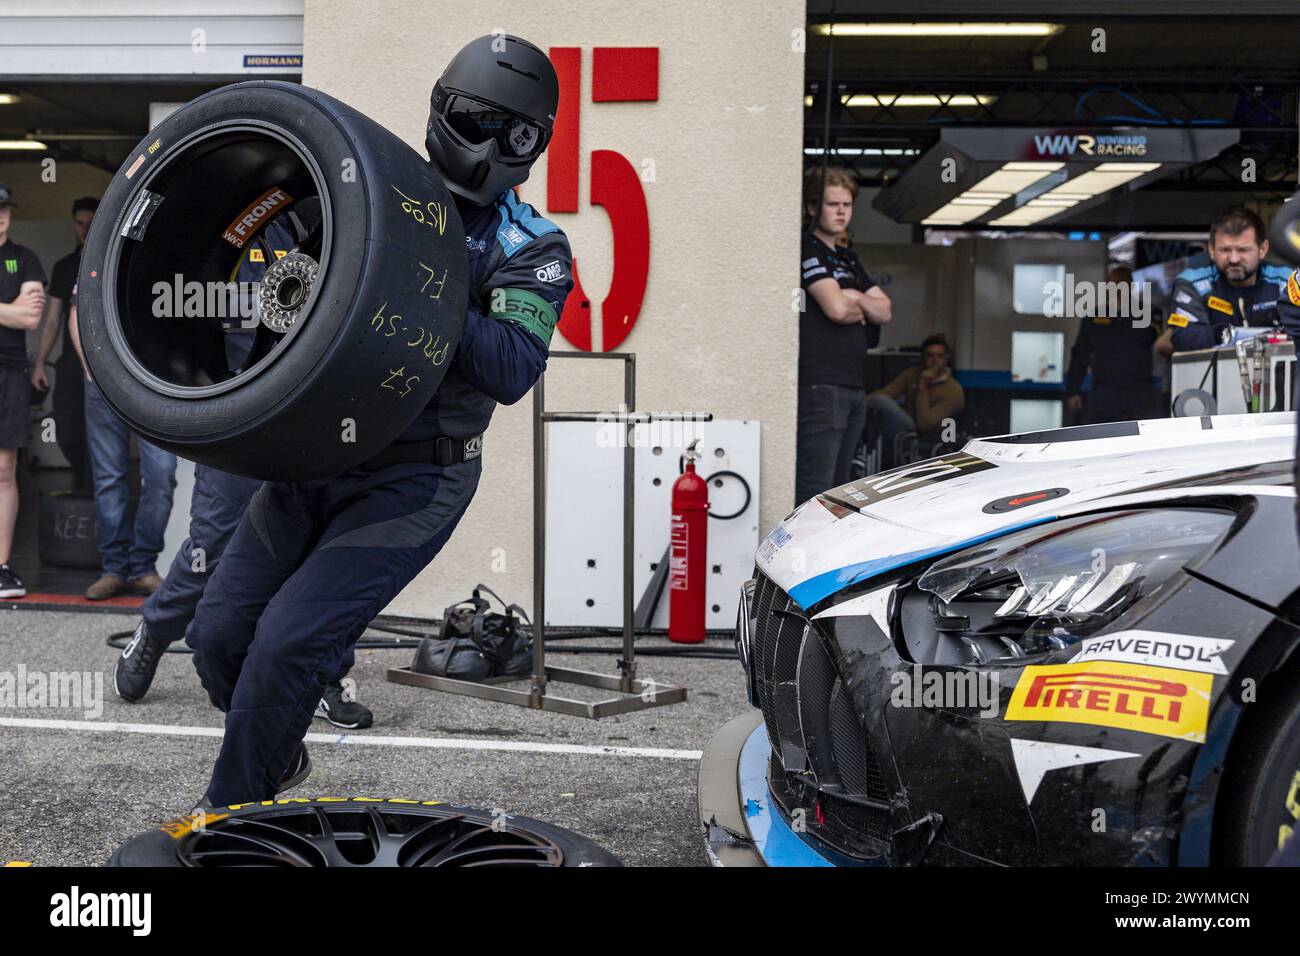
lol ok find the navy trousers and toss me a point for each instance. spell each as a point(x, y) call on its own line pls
point(308, 568)
point(219, 500)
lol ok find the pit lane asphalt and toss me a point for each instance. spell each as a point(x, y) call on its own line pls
point(71, 795)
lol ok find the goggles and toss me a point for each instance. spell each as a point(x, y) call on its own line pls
point(477, 122)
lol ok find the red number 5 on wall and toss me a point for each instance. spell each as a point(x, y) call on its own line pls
point(618, 75)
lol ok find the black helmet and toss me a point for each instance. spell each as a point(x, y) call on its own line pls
point(491, 115)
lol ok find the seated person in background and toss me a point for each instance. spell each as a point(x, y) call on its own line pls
point(1237, 290)
point(1119, 356)
point(929, 394)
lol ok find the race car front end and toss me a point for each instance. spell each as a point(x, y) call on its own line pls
point(1032, 652)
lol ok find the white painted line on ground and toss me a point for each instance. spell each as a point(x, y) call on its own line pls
point(366, 740)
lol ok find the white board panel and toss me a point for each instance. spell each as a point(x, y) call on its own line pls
point(584, 533)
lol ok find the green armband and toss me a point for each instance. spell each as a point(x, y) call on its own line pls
point(526, 309)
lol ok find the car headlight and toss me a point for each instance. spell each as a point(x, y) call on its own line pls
point(744, 628)
point(1049, 586)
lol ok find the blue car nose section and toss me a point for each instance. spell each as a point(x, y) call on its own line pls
point(775, 841)
point(808, 593)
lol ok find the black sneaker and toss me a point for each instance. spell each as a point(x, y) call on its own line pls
point(299, 770)
point(11, 586)
point(134, 670)
point(339, 706)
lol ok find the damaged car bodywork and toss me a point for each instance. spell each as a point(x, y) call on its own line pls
point(1037, 650)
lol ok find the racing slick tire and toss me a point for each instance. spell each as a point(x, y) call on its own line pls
point(357, 831)
point(352, 330)
point(1260, 806)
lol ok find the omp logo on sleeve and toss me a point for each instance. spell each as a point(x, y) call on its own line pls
point(1152, 700)
point(867, 491)
point(273, 200)
point(551, 272)
point(1219, 305)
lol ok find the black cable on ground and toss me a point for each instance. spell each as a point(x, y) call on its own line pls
point(119, 639)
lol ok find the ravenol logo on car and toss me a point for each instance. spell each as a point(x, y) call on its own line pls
point(1153, 700)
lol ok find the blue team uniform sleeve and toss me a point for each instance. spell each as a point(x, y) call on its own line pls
point(1193, 326)
point(507, 336)
point(1288, 305)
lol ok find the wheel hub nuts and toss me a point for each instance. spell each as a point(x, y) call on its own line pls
point(284, 291)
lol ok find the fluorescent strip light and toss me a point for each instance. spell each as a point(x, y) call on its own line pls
point(917, 99)
point(1125, 167)
point(1024, 216)
point(1095, 181)
point(939, 29)
point(9, 99)
point(862, 151)
point(1013, 178)
point(27, 144)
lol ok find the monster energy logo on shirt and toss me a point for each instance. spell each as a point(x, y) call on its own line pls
point(11, 266)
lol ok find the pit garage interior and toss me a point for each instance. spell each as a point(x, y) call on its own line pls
point(1210, 97)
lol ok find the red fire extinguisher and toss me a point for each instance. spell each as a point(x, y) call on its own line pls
point(688, 554)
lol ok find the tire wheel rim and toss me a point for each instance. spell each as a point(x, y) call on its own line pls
point(351, 835)
point(151, 340)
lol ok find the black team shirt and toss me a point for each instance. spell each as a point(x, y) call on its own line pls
point(831, 353)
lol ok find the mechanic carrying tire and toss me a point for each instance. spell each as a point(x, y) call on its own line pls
point(218, 501)
point(379, 333)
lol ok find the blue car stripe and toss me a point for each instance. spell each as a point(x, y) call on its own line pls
point(808, 593)
point(773, 839)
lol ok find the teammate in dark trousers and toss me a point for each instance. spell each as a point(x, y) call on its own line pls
point(219, 501)
point(1239, 289)
point(22, 296)
point(69, 384)
point(313, 562)
point(1117, 349)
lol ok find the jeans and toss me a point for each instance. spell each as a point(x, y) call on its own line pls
point(886, 420)
point(829, 426)
point(123, 550)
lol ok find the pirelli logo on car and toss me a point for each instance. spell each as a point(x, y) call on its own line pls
point(865, 492)
point(1152, 700)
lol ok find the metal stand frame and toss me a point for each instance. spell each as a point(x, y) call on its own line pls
point(637, 694)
